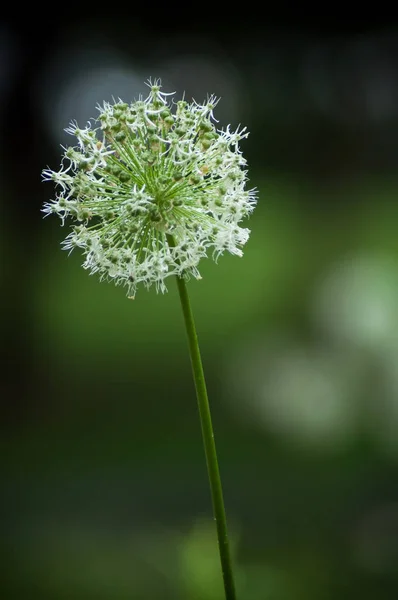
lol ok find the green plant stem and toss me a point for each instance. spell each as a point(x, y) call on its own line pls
point(209, 443)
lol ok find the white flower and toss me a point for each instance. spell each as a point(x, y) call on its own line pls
point(152, 188)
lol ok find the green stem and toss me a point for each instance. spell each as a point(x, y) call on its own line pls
point(209, 443)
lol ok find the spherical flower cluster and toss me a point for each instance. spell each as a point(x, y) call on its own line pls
point(152, 188)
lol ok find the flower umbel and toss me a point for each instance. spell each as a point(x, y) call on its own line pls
point(152, 188)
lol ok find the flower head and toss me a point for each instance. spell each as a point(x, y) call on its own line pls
point(152, 188)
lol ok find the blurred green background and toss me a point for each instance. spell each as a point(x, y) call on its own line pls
point(103, 480)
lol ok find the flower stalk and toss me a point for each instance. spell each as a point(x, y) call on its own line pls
point(208, 442)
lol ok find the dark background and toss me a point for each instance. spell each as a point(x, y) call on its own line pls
point(104, 490)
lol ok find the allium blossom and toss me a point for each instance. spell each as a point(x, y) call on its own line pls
point(152, 188)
